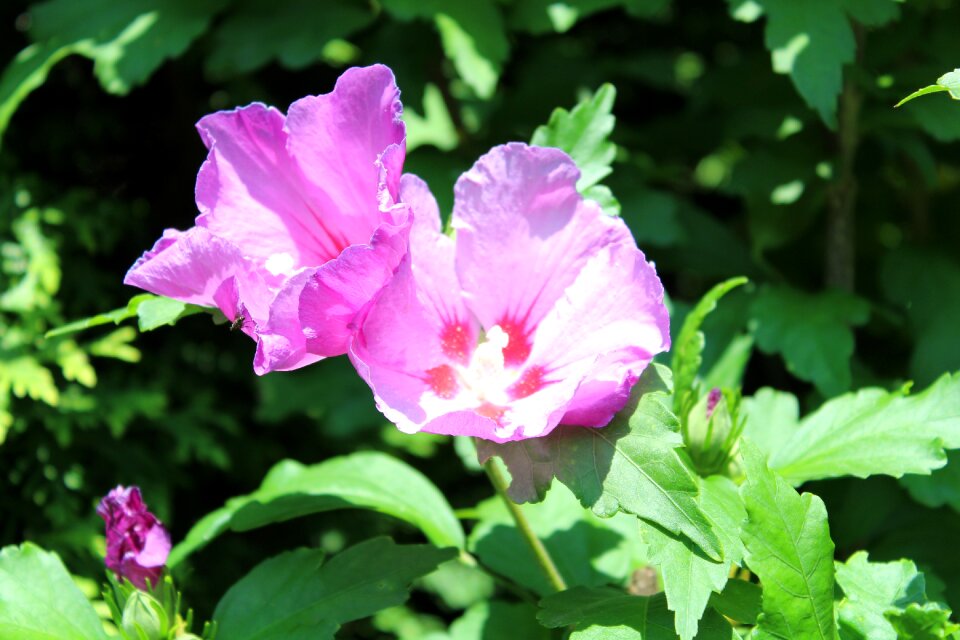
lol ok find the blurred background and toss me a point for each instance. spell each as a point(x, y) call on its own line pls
point(754, 137)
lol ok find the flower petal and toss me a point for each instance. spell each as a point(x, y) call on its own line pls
point(189, 266)
point(252, 193)
point(523, 234)
point(602, 333)
point(281, 345)
point(340, 141)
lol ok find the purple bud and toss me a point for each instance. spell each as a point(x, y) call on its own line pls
point(137, 543)
point(712, 399)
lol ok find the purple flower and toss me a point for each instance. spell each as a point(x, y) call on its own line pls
point(541, 311)
point(287, 202)
point(137, 543)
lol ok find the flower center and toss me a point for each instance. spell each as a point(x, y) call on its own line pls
point(486, 376)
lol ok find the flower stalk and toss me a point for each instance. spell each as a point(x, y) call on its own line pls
point(540, 552)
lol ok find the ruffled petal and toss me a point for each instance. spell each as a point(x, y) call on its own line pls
point(252, 193)
point(345, 141)
point(281, 345)
point(189, 266)
point(523, 235)
point(333, 300)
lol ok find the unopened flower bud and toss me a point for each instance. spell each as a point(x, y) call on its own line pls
point(712, 430)
point(143, 617)
point(137, 543)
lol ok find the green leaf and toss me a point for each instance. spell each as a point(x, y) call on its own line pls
point(28, 71)
point(497, 619)
point(630, 465)
point(942, 487)
point(434, 127)
point(366, 480)
point(873, 13)
point(688, 576)
point(811, 41)
point(588, 550)
point(459, 584)
point(688, 347)
point(788, 546)
point(298, 596)
point(947, 82)
point(293, 33)
point(740, 600)
point(728, 370)
point(39, 600)
point(544, 16)
point(874, 432)
point(930, 621)
point(871, 588)
point(610, 614)
point(472, 33)
point(938, 118)
point(772, 419)
point(583, 133)
point(812, 332)
point(127, 41)
point(933, 88)
point(157, 311)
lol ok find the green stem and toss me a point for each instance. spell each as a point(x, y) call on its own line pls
point(523, 525)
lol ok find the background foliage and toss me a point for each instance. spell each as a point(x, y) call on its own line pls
point(755, 137)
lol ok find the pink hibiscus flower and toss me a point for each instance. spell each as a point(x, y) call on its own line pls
point(541, 311)
point(309, 199)
point(137, 543)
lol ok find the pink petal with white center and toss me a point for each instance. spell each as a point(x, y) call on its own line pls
point(523, 234)
point(338, 139)
point(252, 193)
point(189, 266)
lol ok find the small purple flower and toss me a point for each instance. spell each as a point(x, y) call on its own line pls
point(712, 399)
point(137, 543)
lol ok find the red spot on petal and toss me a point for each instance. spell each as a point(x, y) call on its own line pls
point(492, 411)
point(442, 381)
point(454, 342)
point(518, 347)
point(530, 382)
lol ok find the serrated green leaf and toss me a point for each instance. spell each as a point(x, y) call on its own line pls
point(942, 487)
point(158, 311)
point(610, 614)
point(630, 465)
point(298, 596)
point(871, 588)
point(811, 41)
point(788, 546)
point(689, 578)
point(874, 432)
point(39, 600)
point(366, 480)
point(24, 377)
point(587, 550)
point(472, 33)
point(583, 133)
point(812, 332)
point(293, 33)
point(772, 419)
point(688, 347)
point(740, 600)
point(929, 621)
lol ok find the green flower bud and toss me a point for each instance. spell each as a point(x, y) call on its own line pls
point(712, 430)
point(144, 617)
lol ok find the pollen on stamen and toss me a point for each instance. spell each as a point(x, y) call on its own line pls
point(530, 382)
point(518, 347)
point(454, 342)
point(442, 381)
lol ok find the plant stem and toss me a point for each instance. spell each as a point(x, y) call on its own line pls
point(523, 525)
point(842, 197)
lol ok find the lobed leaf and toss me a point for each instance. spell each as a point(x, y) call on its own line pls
point(630, 465)
point(366, 480)
point(298, 596)
point(788, 545)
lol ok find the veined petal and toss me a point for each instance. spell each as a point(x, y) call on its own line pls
point(602, 334)
point(338, 139)
point(189, 266)
point(281, 345)
point(252, 193)
point(332, 301)
point(523, 234)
